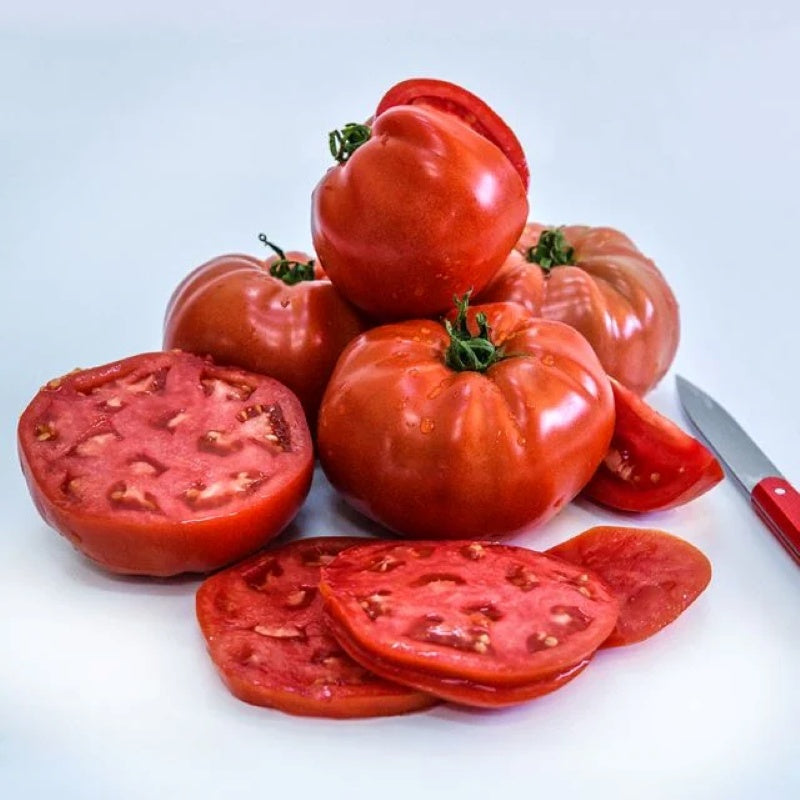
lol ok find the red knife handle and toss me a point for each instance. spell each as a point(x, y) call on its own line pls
point(777, 502)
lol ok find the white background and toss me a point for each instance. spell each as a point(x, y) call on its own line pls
point(136, 144)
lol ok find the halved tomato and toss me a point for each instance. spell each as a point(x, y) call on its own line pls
point(165, 462)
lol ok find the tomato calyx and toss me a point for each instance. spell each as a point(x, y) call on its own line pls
point(286, 269)
point(467, 351)
point(551, 250)
point(343, 143)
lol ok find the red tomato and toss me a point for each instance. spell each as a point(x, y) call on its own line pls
point(651, 464)
point(165, 463)
point(431, 443)
point(481, 624)
point(453, 99)
point(279, 317)
point(597, 281)
point(654, 575)
point(263, 624)
point(420, 208)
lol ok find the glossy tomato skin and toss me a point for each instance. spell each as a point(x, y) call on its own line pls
point(655, 576)
point(613, 294)
point(431, 452)
point(424, 210)
point(651, 465)
point(263, 624)
point(232, 309)
point(481, 624)
point(159, 464)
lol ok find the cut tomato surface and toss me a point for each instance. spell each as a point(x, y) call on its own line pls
point(651, 464)
point(477, 614)
point(165, 462)
point(470, 109)
point(654, 575)
point(264, 627)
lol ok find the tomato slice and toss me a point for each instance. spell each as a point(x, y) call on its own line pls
point(264, 627)
point(651, 464)
point(165, 463)
point(455, 100)
point(655, 576)
point(489, 618)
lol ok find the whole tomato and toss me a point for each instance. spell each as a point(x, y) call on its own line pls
point(421, 207)
point(597, 281)
point(477, 428)
point(280, 317)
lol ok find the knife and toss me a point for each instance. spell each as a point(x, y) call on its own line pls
point(774, 499)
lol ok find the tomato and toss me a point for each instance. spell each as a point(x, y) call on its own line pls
point(165, 463)
point(481, 624)
point(654, 575)
point(446, 435)
point(453, 99)
point(263, 624)
point(420, 207)
point(597, 281)
point(279, 317)
point(651, 464)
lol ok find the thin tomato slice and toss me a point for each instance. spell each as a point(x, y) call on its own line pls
point(476, 614)
point(165, 463)
point(651, 464)
point(459, 102)
point(655, 576)
point(264, 627)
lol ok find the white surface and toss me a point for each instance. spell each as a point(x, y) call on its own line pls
point(136, 144)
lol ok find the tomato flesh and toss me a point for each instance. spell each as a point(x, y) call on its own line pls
point(265, 632)
point(655, 575)
point(165, 462)
point(457, 101)
point(479, 618)
point(651, 464)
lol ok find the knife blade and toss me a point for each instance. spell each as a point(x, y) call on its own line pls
point(773, 498)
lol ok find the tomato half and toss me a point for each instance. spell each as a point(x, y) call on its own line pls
point(654, 575)
point(166, 463)
point(651, 464)
point(420, 207)
point(429, 444)
point(264, 628)
point(279, 317)
point(470, 109)
point(482, 624)
point(597, 281)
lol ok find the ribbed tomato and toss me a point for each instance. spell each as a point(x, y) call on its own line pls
point(598, 282)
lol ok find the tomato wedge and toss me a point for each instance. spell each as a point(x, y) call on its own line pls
point(476, 623)
point(655, 576)
point(455, 100)
point(165, 463)
point(263, 624)
point(651, 464)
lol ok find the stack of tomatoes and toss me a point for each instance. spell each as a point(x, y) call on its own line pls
point(460, 373)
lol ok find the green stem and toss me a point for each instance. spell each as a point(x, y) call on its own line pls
point(551, 250)
point(343, 143)
point(287, 269)
point(468, 352)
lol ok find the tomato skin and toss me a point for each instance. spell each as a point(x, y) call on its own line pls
point(651, 465)
point(655, 576)
point(156, 532)
point(433, 453)
point(613, 294)
point(481, 624)
point(263, 624)
point(453, 99)
point(232, 309)
point(427, 208)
